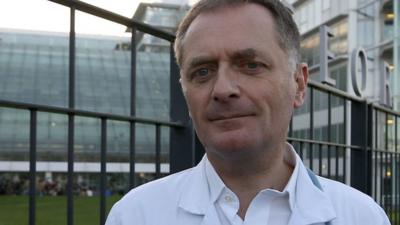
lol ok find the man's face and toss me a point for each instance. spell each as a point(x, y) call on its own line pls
point(238, 82)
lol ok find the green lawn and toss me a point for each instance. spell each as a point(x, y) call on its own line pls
point(51, 210)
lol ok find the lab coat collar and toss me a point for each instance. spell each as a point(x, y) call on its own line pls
point(311, 206)
point(196, 197)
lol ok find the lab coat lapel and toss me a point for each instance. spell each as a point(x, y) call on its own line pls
point(196, 200)
point(211, 216)
point(297, 219)
point(195, 196)
point(312, 205)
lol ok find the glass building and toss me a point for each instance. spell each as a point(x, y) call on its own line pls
point(34, 69)
point(354, 24)
point(361, 24)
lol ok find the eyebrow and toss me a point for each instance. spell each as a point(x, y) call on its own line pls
point(201, 60)
point(248, 53)
point(251, 54)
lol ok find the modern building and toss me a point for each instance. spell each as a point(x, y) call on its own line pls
point(34, 69)
point(356, 31)
point(365, 24)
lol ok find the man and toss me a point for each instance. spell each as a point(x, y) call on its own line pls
point(241, 77)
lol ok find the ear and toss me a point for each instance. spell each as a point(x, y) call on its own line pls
point(301, 79)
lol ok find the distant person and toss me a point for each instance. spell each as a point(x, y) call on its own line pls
point(242, 78)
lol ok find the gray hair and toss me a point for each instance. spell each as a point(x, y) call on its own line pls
point(288, 33)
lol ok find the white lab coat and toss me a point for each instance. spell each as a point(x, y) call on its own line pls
point(184, 199)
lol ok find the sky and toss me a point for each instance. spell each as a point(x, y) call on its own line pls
point(44, 15)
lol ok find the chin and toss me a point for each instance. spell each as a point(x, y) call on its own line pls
point(231, 141)
point(231, 147)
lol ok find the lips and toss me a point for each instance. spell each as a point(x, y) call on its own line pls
point(220, 112)
point(227, 116)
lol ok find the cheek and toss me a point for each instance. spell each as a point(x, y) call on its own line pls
point(287, 92)
point(195, 103)
point(278, 100)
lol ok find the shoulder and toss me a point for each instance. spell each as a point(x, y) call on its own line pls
point(160, 187)
point(159, 195)
point(343, 191)
point(352, 204)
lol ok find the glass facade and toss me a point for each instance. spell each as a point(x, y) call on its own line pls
point(387, 31)
point(34, 69)
point(310, 14)
point(388, 20)
point(166, 18)
point(337, 44)
point(371, 27)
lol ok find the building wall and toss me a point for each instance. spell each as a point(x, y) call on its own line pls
point(312, 13)
point(355, 24)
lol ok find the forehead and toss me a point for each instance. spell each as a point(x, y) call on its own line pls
point(229, 29)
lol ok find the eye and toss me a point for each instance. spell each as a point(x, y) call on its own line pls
point(202, 72)
point(250, 67)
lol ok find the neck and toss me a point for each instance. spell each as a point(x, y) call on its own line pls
point(247, 177)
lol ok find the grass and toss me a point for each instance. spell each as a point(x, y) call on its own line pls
point(394, 217)
point(14, 210)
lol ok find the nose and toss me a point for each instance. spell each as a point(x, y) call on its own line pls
point(226, 86)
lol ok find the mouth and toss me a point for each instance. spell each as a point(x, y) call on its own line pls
point(223, 117)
